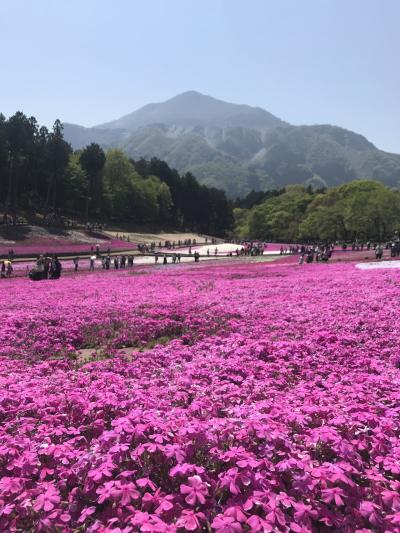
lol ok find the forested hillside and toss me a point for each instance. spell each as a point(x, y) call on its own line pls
point(362, 209)
point(39, 171)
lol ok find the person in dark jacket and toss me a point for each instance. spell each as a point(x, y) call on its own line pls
point(55, 269)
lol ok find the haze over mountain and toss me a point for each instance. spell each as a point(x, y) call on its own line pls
point(191, 109)
point(239, 147)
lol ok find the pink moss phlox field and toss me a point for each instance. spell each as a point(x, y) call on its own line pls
point(58, 246)
point(249, 397)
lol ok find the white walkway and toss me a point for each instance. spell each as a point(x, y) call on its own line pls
point(378, 264)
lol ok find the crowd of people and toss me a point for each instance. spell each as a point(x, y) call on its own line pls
point(116, 262)
point(252, 249)
point(46, 268)
point(175, 258)
point(51, 268)
point(11, 220)
point(321, 252)
point(171, 245)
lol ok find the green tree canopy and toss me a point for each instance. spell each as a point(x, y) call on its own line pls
point(279, 217)
point(362, 209)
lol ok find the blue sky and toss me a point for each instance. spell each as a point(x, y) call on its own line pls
point(306, 61)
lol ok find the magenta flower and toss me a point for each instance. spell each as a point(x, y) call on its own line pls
point(196, 491)
point(145, 482)
point(369, 511)
point(226, 524)
point(108, 491)
point(49, 499)
point(190, 520)
point(333, 495)
point(102, 471)
point(303, 512)
point(86, 512)
point(126, 492)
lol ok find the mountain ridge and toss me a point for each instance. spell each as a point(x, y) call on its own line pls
point(193, 108)
point(239, 147)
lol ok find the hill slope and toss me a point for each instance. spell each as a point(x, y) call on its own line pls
point(239, 147)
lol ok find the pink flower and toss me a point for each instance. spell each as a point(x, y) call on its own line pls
point(102, 471)
point(86, 512)
point(258, 524)
point(226, 524)
point(10, 484)
point(7, 509)
point(333, 495)
point(196, 491)
point(48, 500)
point(190, 520)
point(126, 492)
point(108, 491)
point(369, 511)
point(303, 513)
point(145, 482)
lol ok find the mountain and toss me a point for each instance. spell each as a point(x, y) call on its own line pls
point(191, 109)
point(239, 147)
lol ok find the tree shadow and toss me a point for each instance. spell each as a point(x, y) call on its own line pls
point(59, 231)
point(14, 233)
point(97, 235)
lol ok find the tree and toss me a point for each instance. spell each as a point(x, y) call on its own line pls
point(3, 157)
point(123, 195)
point(38, 169)
point(92, 160)
point(20, 137)
point(75, 186)
point(164, 200)
point(58, 152)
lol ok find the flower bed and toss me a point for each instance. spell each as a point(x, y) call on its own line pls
point(34, 240)
point(230, 398)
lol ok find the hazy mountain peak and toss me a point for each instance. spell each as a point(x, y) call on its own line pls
point(192, 96)
point(190, 109)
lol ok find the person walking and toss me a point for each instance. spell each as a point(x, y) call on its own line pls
point(9, 269)
point(55, 269)
point(47, 267)
point(76, 263)
point(379, 252)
